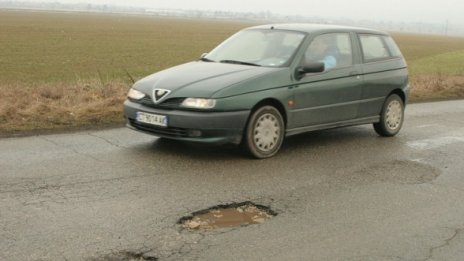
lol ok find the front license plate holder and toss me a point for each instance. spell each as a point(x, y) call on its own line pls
point(153, 119)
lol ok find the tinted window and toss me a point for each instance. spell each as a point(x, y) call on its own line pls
point(373, 47)
point(334, 50)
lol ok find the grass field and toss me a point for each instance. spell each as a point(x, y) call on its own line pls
point(68, 70)
point(436, 65)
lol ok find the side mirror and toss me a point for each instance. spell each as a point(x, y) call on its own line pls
point(316, 67)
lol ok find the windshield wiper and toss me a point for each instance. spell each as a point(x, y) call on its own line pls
point(204, 59)
point(239, 62)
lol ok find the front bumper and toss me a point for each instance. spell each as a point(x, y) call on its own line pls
point(206, 127)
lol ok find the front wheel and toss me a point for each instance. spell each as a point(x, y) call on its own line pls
point(264, 132)
point(391, 117)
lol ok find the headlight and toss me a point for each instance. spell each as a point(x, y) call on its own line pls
point(134, 94)
point(199, 103)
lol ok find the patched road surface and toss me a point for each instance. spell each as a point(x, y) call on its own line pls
point(343, 194)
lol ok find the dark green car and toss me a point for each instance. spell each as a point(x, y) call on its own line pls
point(268, 82)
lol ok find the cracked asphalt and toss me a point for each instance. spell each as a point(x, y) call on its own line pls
point(343, 194)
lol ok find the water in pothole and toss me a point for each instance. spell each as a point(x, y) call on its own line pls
point(233, 215)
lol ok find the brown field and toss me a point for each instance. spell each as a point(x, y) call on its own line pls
point(66, 70)
point(60, 106)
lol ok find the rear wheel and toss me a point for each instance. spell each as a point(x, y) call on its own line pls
point(264, 132)
point(391, 117)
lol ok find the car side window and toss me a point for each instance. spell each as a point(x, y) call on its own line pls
point(333, 49)
point(373, 47)
point(394, 50)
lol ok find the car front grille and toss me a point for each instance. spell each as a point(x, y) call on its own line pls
point(169, 131)
point(167, 104)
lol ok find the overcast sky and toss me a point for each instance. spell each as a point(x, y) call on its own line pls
point(426, 11)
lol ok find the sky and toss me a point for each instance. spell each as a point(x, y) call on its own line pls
point(425, 11)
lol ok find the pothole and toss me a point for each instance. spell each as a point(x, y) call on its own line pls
point(397, 172)
point(228, 216)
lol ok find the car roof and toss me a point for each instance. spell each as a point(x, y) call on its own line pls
point(317, 28)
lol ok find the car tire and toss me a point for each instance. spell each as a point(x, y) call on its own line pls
point(264, 132)
point(391, 117)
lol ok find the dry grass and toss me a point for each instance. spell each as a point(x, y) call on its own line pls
point(436, 87)
point(60, 106)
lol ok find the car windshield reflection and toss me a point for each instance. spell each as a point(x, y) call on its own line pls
point(270, 48)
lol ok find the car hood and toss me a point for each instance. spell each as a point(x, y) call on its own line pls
point(200, 79)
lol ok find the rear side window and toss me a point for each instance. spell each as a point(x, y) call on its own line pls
point(394, 50)
point(374, 47)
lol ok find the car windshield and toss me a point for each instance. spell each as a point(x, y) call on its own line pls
point(271, 48)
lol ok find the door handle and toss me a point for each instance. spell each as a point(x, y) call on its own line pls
point(355, 73)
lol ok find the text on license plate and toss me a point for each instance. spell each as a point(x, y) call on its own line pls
point(153, 119)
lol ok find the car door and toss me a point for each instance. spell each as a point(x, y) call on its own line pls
point(384, 71)
point(333, 95)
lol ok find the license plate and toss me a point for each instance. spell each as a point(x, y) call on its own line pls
point(154, 119)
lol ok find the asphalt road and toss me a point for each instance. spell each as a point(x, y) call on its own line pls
point(343, 194)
